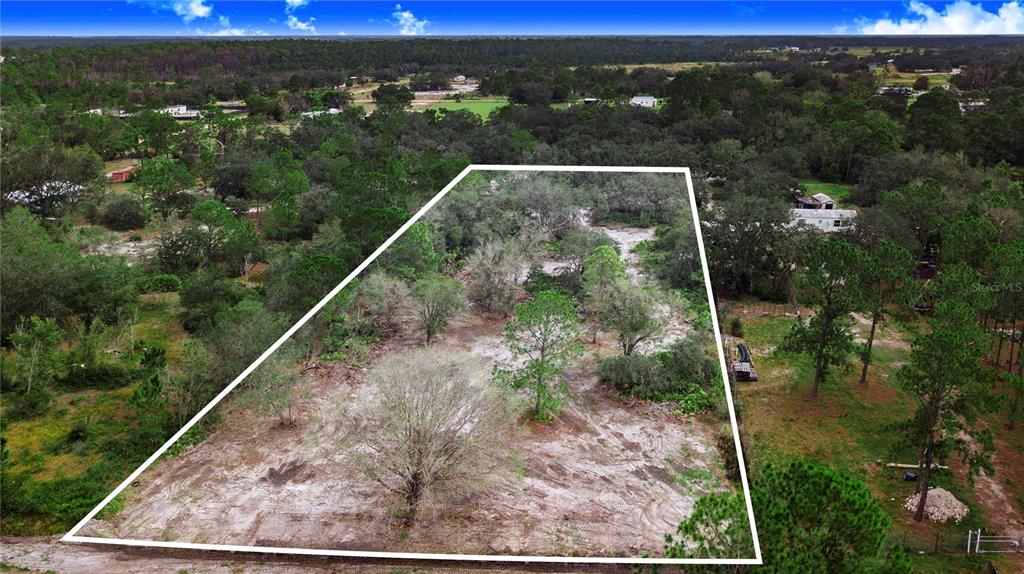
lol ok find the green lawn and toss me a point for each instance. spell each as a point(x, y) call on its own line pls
point(837, 191)
point(482, 108)
point(848, 426)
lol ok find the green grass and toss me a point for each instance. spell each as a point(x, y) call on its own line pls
point(481, 107)
point(837, 191)
point(848, 426)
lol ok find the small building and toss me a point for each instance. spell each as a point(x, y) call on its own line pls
point(174, 110)
point(816, 201)
point(123, 175)
point(591, 101)
point(459, 78)
point(318, 113)
point(643, 101)
point(827, 220)
point(180, 112)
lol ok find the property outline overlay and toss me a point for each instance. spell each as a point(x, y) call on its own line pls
point(71, 536)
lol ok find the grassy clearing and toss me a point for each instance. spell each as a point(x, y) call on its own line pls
point(481, 107)
point(848, 426)
point(671, 66)
point(837, 191)
point(158, 324)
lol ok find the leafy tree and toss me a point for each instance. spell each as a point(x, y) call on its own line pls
point(412, 254)
point(430, 430)
point(392, 96)
point(543, 333)
point(191, 386)
point(751, 246)
point(921, 84)
point(163, 183)
point(204, 295)
point(829, 280)
point(946, 378)
point(576, 246)
point(1014, 413)
point(35, 364)
point(47, 178)
point(885, 279)
point(438, 300)
point(39, 276)
point(603, 270)
point(811, 518)
point(279, 176)
point(935, 123)
point(123, 212)
point(718, 528)
point(635, 313)
point(156, 129)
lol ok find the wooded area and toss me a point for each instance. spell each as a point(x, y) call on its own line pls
point(127, 306)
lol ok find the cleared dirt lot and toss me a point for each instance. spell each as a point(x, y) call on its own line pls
point(607, 477)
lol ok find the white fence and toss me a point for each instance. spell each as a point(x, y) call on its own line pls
point(978, 544)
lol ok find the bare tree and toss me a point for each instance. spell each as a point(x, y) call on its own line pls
point(433, 426)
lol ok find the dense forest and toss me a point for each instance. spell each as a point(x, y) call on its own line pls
point(127, 306)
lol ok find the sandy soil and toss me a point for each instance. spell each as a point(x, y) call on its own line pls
point(599, 480)
point(43, 554)
point(605, 478)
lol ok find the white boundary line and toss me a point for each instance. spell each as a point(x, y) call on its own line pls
point(71, 536)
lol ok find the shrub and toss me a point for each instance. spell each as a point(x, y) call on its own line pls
point(123, 212)
point(685, 374)
point(537, 280)
point(736, 327)
point(633, 375)
point(158, 283)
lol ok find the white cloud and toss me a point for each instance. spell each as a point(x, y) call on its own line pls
point(342, 33)
point(191, 9)
point(294, 4)
point(958, 17)
point(226, 29)
point(408, 25)
point(188, 10)
point(296, 24)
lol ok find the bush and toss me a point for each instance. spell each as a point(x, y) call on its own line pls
point(537, 281)
point(122, 213)
point(158, 283)
point(736, 327)
point(633, 375)
point(685, 374)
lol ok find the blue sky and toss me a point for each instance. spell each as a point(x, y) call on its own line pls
point(464, 17)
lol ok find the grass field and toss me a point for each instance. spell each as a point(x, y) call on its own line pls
point(848, 425)
point(891, 78)
point(671, 66)
point(837, 191)
point(481, 107)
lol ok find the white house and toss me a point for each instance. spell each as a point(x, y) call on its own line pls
point(180, 112)
point(827, 220)
point(174, 110)
point(316, 113)
point(643, 101)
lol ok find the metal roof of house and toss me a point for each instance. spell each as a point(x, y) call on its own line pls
point(824, 213)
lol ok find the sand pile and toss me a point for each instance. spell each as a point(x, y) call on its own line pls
point(940, 506)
